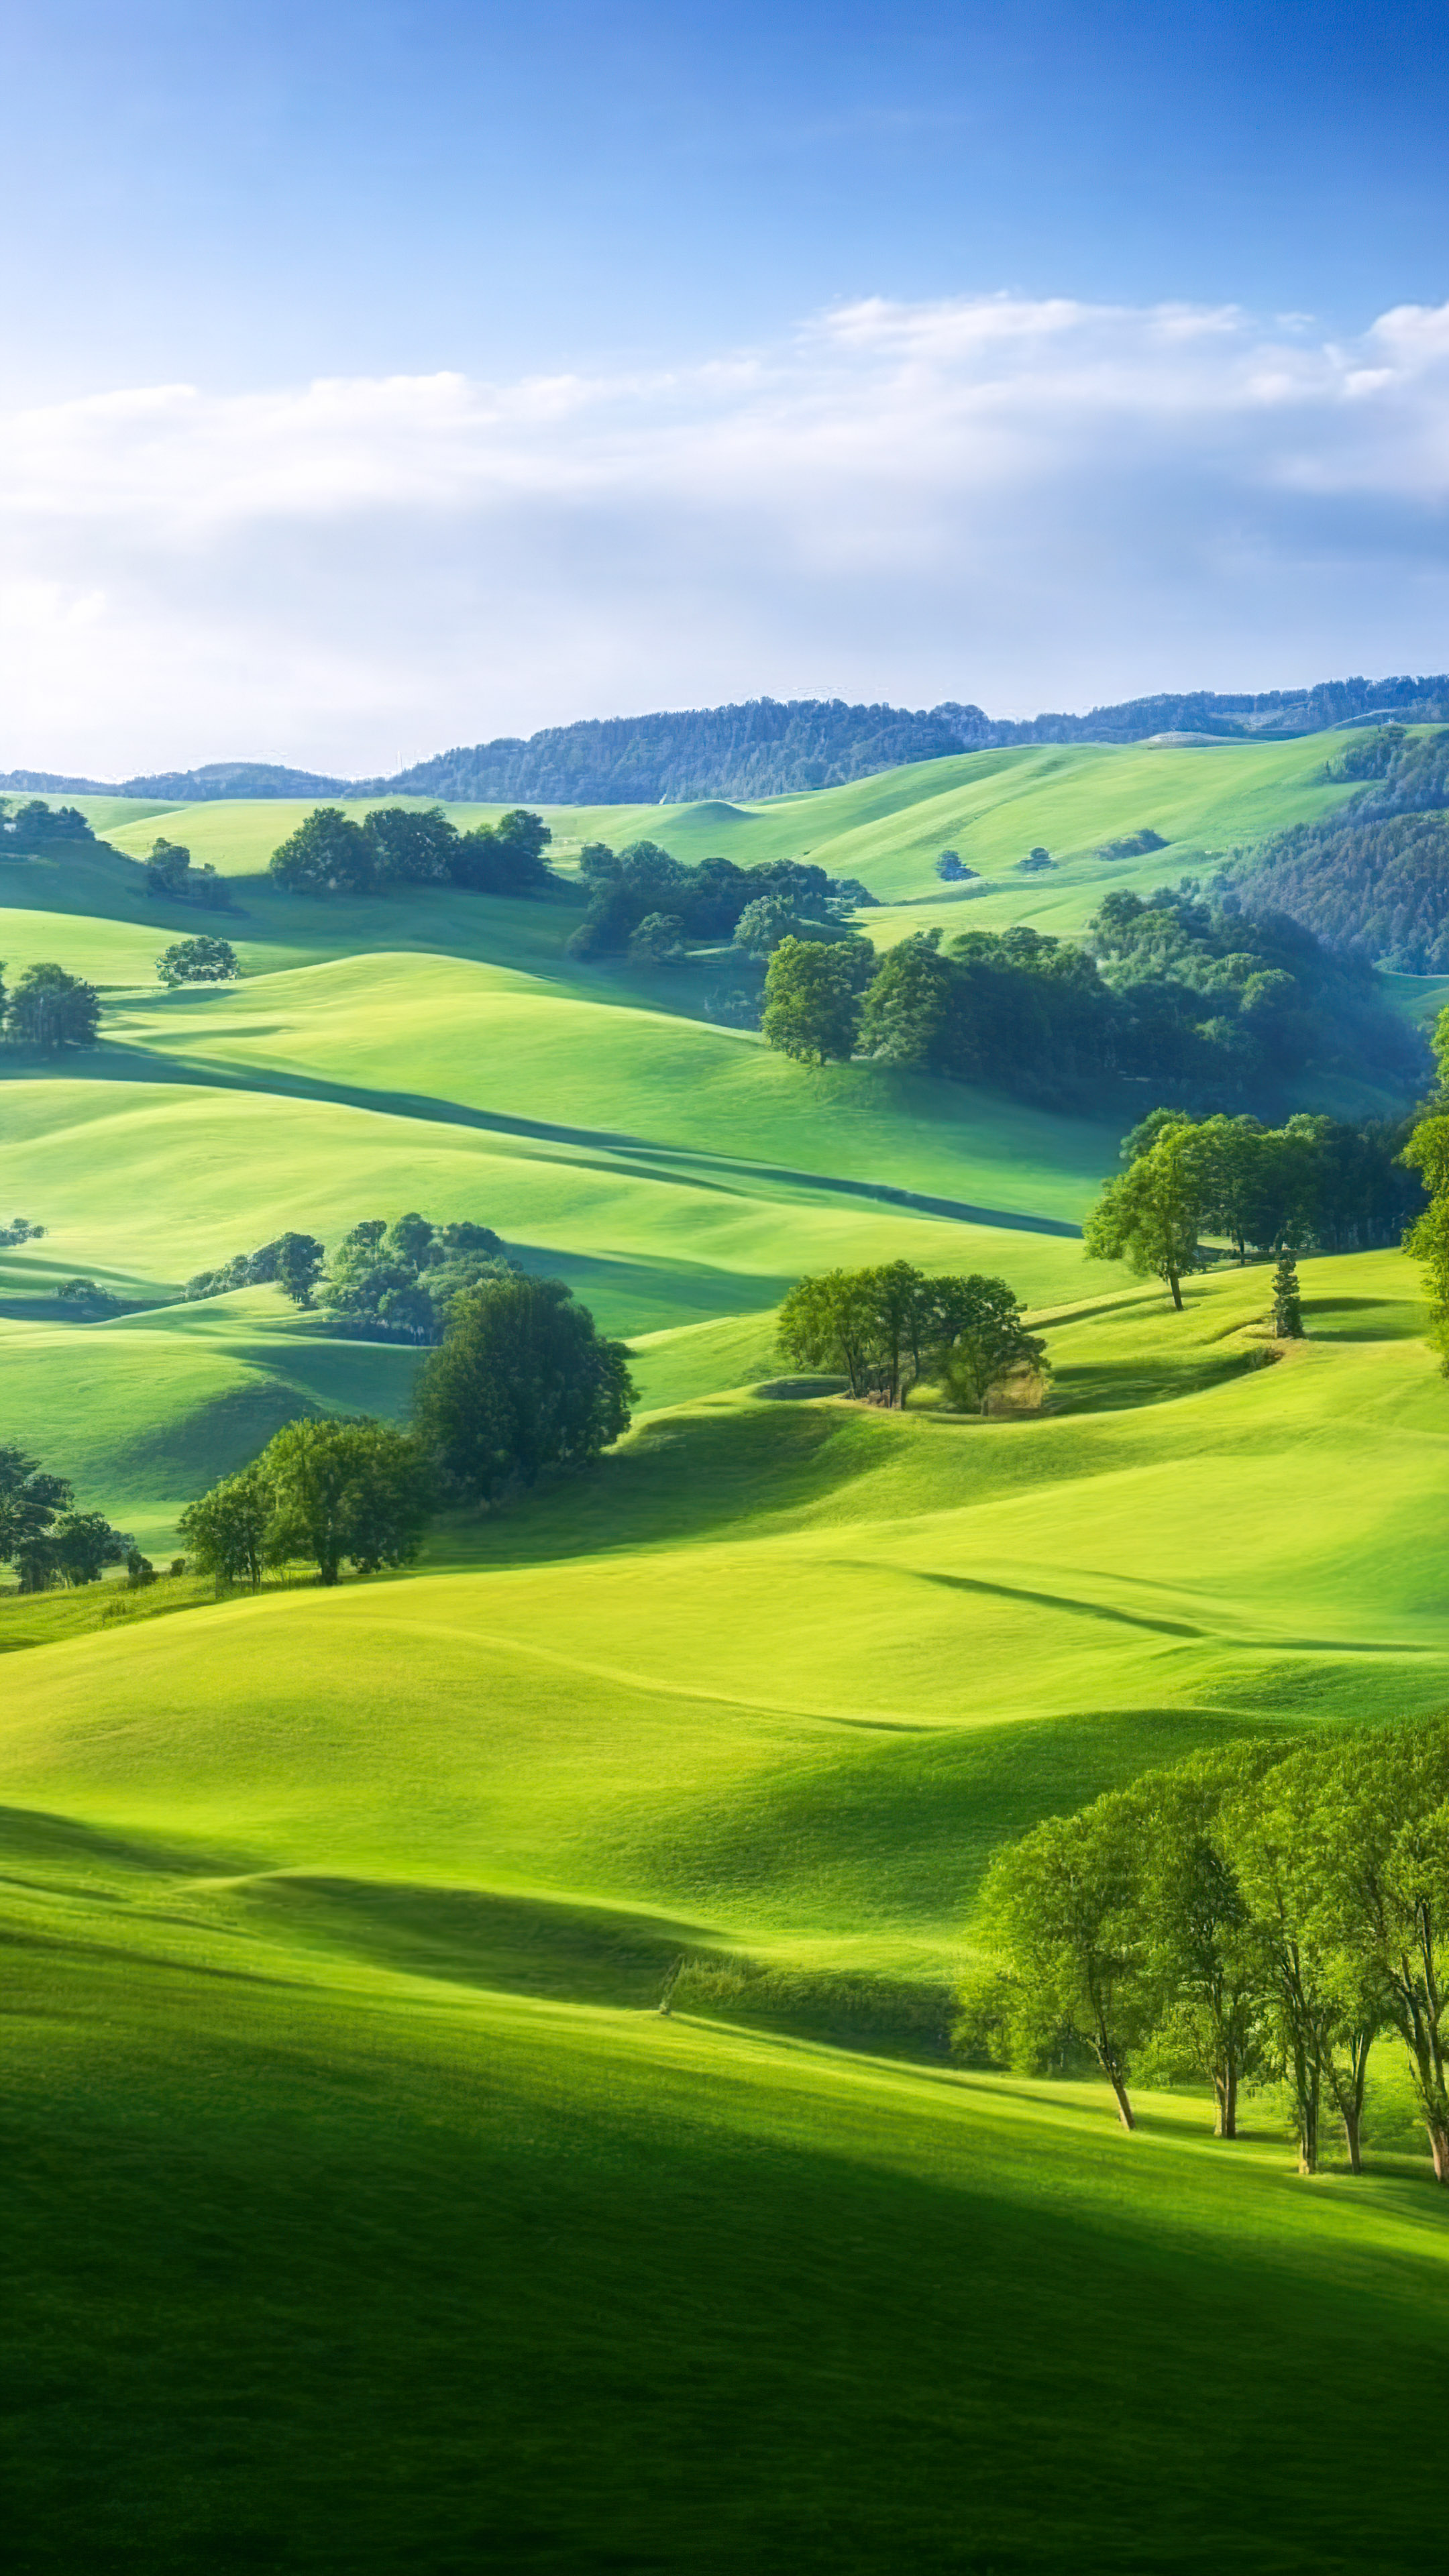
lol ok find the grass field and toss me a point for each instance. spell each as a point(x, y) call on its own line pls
point(364, 2212)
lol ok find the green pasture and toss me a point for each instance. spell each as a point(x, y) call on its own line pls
point(367, 2211)
point(365, 2214)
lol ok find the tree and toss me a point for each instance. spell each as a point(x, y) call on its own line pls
point(658, 941)
point(1152, 1214)
point(226, 1529)
point(345, 1490)
point(977, 1337)
point(1063, 1907)
point(830, 1323)
point(909, 1003)
point(29, 1502)
point(169, 873)
point(523, 1383)
point(297, 1266)
point(327, 854)
point(505, 857)
point(76, 1552)
point(202, 960)
point(1427, 1240)
point(949, 868)
point(810, 998)
point(765, 922)
point(50, 1009)
point(410, 848)
point(1382, 1845)
point(1207, 1959)
point(1287, 1303)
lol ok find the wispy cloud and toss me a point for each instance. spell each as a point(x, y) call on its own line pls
point(1027, 503)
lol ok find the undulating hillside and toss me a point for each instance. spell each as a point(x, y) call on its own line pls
point(368, 2211)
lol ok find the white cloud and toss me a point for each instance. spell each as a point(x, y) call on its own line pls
point(1026, 503)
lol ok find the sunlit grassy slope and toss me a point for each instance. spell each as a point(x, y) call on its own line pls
point(373, 2216)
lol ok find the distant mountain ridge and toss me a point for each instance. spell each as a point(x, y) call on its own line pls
point(770, 747)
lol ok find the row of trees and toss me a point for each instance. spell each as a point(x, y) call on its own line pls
point(43, 1537)
point(1257, 1913)
point(48, 1010)
point(523, 1386)
point(1194, 996)
point(887, 1329)
point(383, 1283)
point(331, 853)
point(1313, 1183)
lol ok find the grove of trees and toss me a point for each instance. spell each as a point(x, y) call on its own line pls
point(383, 1283)
point(328, 1492)
point(1314, 1183)
point(1197, 997)
point(43, 1537)
point(755, 907)
point(887, 1329)
point(1262, 1913)
point(49, 1010)
point(169, 873)
point(331, 853)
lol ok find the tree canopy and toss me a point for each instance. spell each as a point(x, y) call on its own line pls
point(886, 1329)
point(49, 1009)
point(200, 960)
point(330, 853)
point(524, 1384)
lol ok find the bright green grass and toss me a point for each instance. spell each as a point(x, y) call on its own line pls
point(366, 2213)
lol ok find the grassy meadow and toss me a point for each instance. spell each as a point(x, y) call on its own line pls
point(366, 2213)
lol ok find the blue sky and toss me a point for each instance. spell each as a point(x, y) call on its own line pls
point(378, 376)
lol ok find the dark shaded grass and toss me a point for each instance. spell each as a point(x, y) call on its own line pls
point(299, 2286)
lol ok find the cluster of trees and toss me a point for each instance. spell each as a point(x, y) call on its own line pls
point(1257, 1913)
point(1190, 995)
point(384, 1282)
point(522, 1386)
point(1132, 845)
point(202, 960)
point(49, 1009)
point(43, 1537)
point(887, 1329)
point(1314, 1184)
point(648, 904)
point(1376, 890)
point(170, 874)
point(1403, 773)
point(19, 1230)
point(1427, 1153)
point(330, 853)
point(30, 830)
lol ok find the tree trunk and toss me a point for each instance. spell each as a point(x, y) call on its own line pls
point(1124, 2107)
point(1351, 2118)
point(1176, 1287)
point(1226, 2089)
point(1439, 2150)
point(327, 1570)
point(1308, 2136)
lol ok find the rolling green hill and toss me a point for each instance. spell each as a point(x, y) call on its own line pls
point(366, 2212)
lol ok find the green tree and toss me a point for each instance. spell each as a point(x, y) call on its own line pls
point(297, 1266)
point(1152, 1215)
point(1063, 1908)
point(202, 960)
point(523, 1383)
point(1427, 1239)
point(30, 1502)
point(50, 1009)
point(410, 848)
point(505, 857)
point(1207, 1959)
point(977, 1338)
point(357, 1491)
point(810, 998)
point(765, 923)
point(658, 941)
point(327, 854)
point(226, 1530)
point(829, 1322)
point(75, 1552)
point(909, 1005)
point(1287, 1302)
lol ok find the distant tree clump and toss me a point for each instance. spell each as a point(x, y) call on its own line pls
point(19, 1230)
point(1260, 1912)
point(332, 854)
point(49, 1010)
point(170, 875)
point(35, 828)
point(1132, 845)
point(202, 960)
point(951, 868)
point(524, 1385)
point(754, 907)
point(885, 1330)
point(382, 1284)
point(332, 1492)
point(291, 1262)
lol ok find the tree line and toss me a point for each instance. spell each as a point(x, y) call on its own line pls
point(330, 853)
point(1314, 1184)
point(523, 1386)
point(1194, 996)
point(1260, 1913)
point(34, 828)
point(383, 1283)
point(887, 1329)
